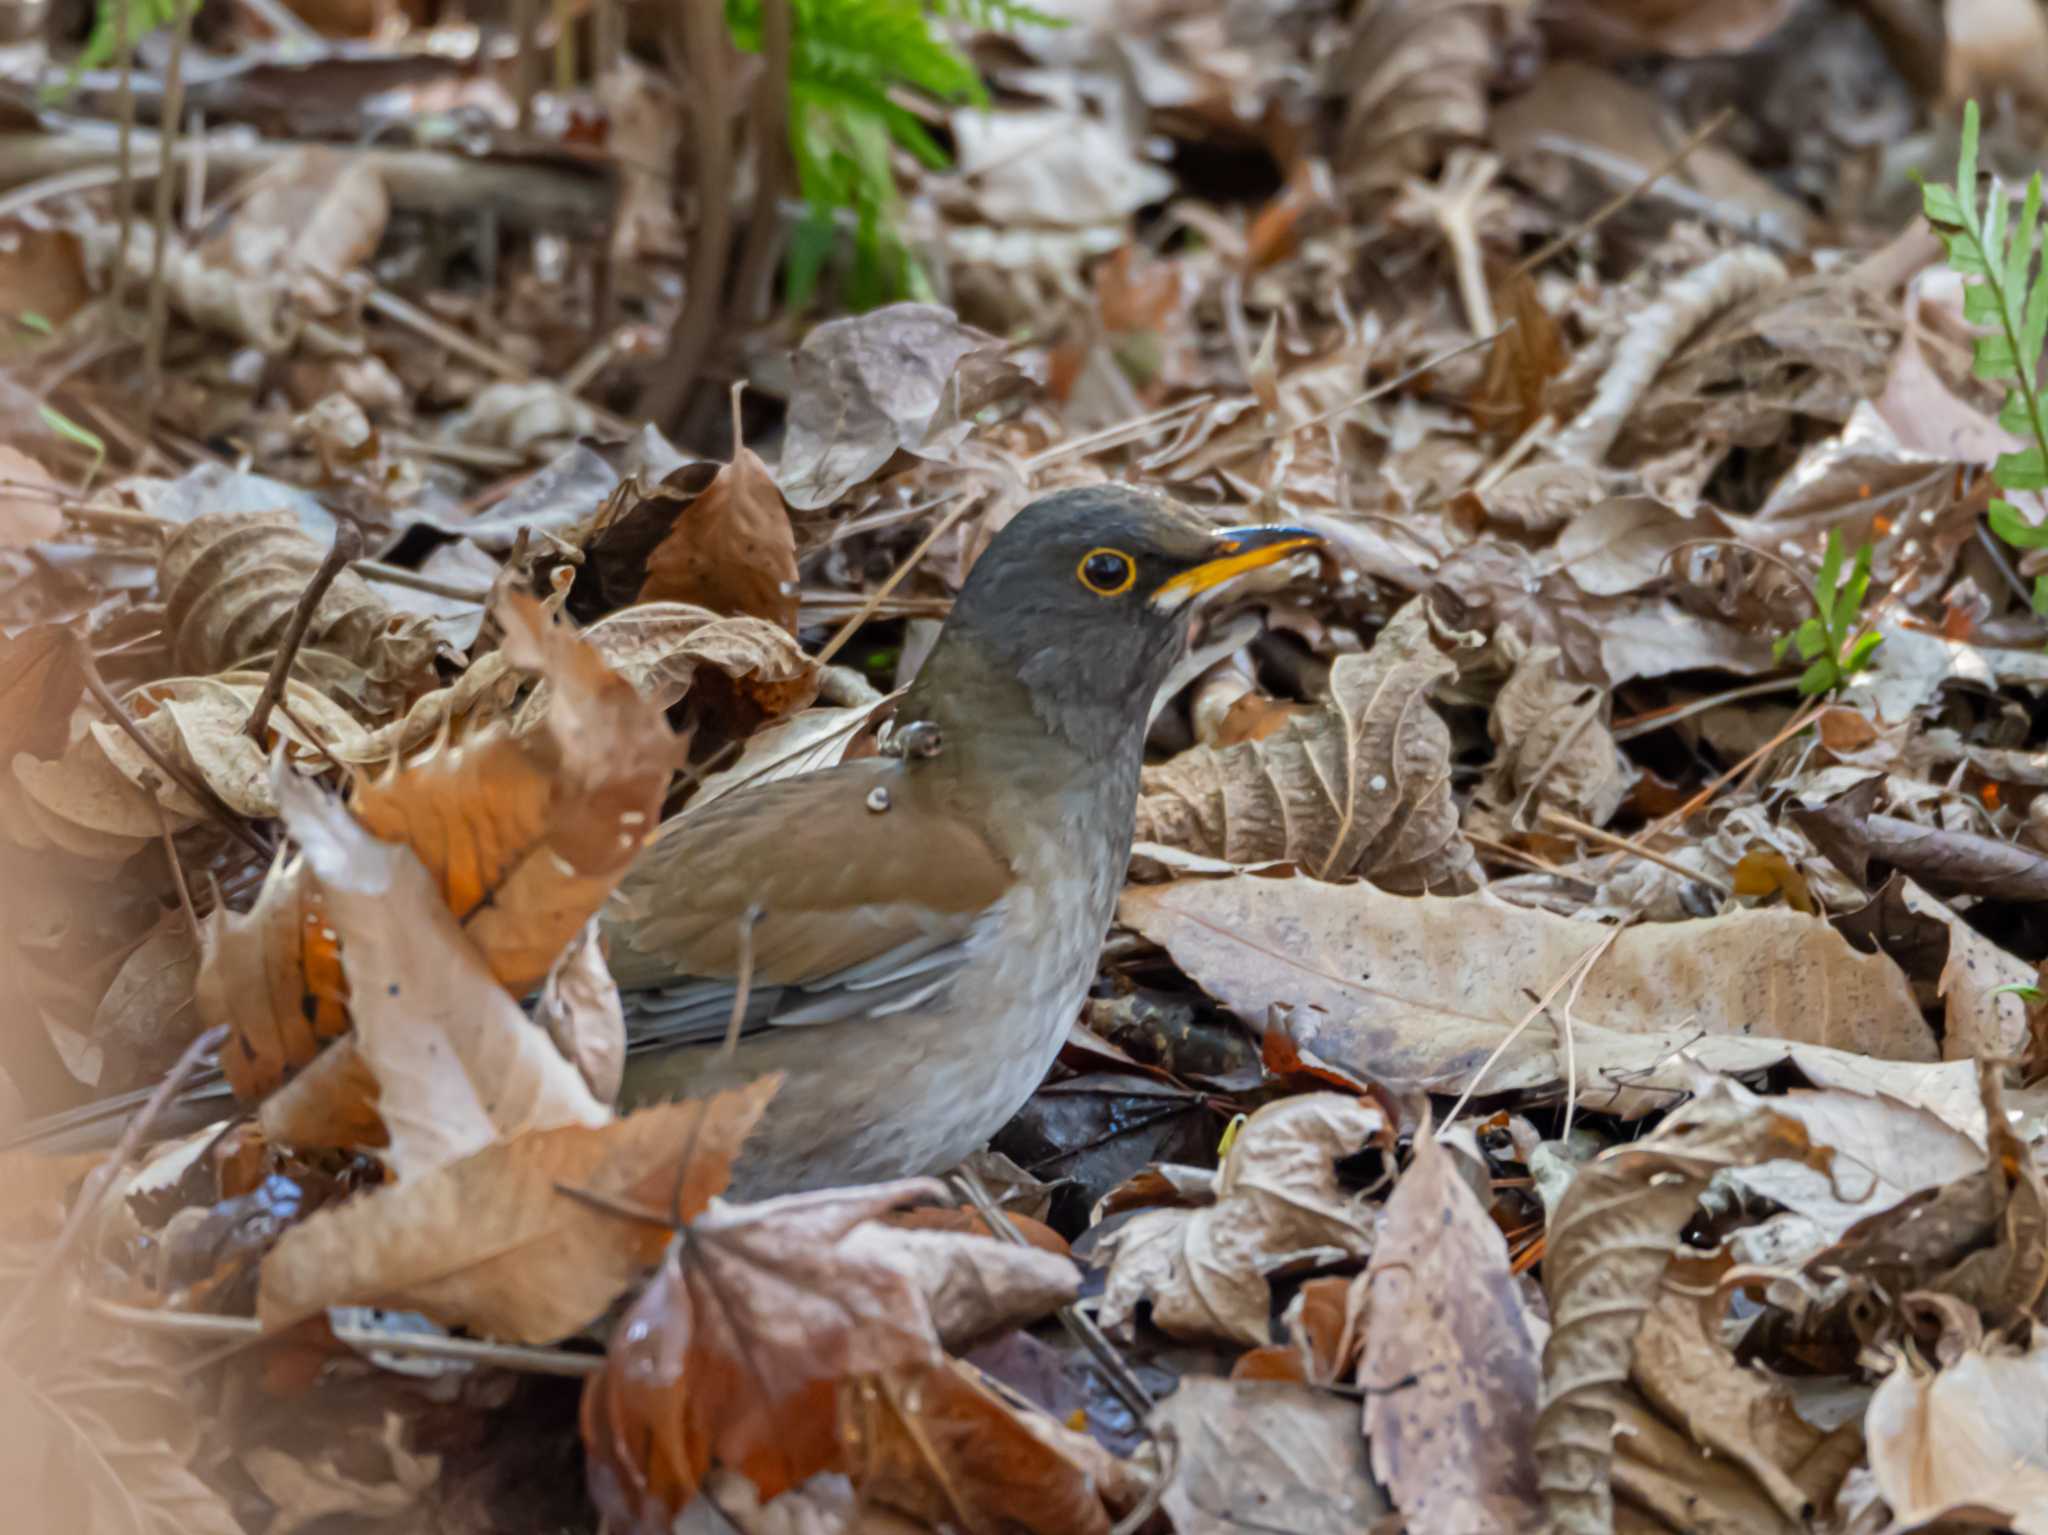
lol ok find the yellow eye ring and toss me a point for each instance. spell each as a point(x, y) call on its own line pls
point(1113, 572)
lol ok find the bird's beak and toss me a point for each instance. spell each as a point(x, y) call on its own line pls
point(1237, 550)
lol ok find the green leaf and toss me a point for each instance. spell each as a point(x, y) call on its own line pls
point(2021, 989)
point(1859, 653)
point(1966, 165)
point(2007, 522)
point(2026, 469)
point(1819, 677)
point(1779, 646)
point(1939, 204)
point(2041, 595)
point(1992, 357)
point(1851, 600)
point(1829, 579)
point(1812, 639)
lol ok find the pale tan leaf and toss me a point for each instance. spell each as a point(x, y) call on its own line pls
point(1413, 76)
point(71, 1464)
point(305, 1489)
point(1554, 745)
point(29, 500)
point(866, 387)
point(1969, 1442)
point(458, 1065)
point(1203, 1271)
point(1984, 1018)
point(1610, 1238)
point(580, 1007)
point(1732, 1412)
point(148, 1015)
point(1265, 1455)
point(492, 1243)
point(974, 1285)
point(1419, 990)
point(1454, 1447)
point(1361, 786)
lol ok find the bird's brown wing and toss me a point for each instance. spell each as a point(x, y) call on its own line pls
point(851, 892)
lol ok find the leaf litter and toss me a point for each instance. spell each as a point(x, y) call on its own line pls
point(1571, 1053)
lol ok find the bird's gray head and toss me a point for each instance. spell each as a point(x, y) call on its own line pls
point(1083, 598)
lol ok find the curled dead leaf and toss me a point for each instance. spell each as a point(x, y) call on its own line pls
point(232, 579)
point(1204, 1271)
point(1610, 1237)
point(1361, 786)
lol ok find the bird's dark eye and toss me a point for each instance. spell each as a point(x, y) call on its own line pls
point(1107, 572)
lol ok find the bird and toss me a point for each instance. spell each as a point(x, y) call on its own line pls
point(907, 937)
point(915, 931)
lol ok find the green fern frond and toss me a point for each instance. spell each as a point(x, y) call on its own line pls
point(2005, 291)
point(849, 61)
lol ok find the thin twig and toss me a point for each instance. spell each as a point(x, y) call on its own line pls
point(1427, 363)
point(157, 306)
point(744, 990)
point(163, 823)
point(101, 1178)
point(880, 594)
point(348, 543)
point(112, 707)
point(1621, 844)
point(1583, 962)
point(1122, 1379)
point(1621, 200)
point(203, 1326)
point(393, 575)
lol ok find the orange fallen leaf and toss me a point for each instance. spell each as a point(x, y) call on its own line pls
point(735, 1352)
point(498, 1242)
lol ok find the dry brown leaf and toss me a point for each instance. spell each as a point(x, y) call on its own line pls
point(458, 1065)
point(337, 1481)
point(1610, 1238)
point(197, 723)
point(147, 1016)
point(731, 550)
point(1265, 1455)
point(868, 386)
point(1668, 1482)
point(1885, 1151)
point(1740, 1415)
point(331, 1103)
point(940, 1445)
point(1679, 28)
point(580, 1007)
point(272, 977)
point(974, 1285)
point(317, 213)
point(1555, 747)
point(1204, 1270)
point(1420, 990)
point(1984, 1019)
point(734, 1353)
point(29, 500)
point(1447, 1315)
point(97, 1436)
point(482, 694)
point(493, 1243)
point(1968, 1443)
point(1362, 786)
point(1413, 77)
point(669, 649)
point(526, 836)
point(232, 579)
